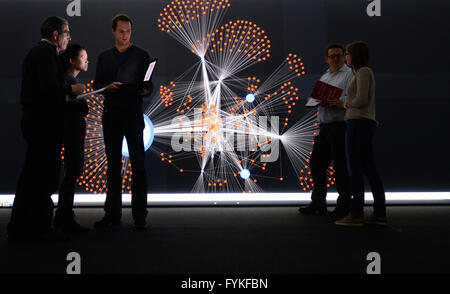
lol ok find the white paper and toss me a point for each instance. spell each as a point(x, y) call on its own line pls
point(82, 96)
point(312, 102)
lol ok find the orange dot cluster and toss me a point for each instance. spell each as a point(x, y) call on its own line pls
point(243, 37)
point(185, 106)
point(306, 181)
point(176, 14)
point(295, 64)
point(212, 122)
point(93, 177)
point(166, 94)
point(252, 84)
point(218, 183)
point(288, 94)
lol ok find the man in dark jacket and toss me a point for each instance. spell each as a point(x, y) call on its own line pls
point(121, 70)
point(42, 99)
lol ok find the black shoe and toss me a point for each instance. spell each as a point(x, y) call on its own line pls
point(107, 222)
point(54, 236)
point(312, 210)
point(68, 224)
point(140, 225)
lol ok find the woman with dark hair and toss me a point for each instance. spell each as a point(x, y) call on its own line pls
point(361, 125)
point(74, 60)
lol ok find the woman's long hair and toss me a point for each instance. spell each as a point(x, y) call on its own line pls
point(359, 52)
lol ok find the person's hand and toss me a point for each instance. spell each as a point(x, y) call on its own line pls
point(336, 102)
point(113, 87)
point(78, 89)
point(145, 91)
point(348, 104)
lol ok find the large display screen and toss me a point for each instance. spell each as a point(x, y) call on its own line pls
point(227, 111)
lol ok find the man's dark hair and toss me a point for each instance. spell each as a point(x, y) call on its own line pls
point(333, 46)
point(72, 52)
point(120, 17)
point(359, 52)
point(51, 24)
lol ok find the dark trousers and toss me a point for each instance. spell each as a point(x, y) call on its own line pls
point(32, 211)
point(74, 136)
point(359, 142)
point(116, 125)
point(329, 146)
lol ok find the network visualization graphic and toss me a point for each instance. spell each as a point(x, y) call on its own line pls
point(235, 127)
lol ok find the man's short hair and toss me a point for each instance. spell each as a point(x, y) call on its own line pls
point(51, 24)
point(333, 46)
point(120, 17)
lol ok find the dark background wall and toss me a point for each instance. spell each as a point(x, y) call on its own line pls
point(410, 57)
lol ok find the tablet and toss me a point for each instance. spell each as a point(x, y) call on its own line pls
point(148, 75)
point(150, 68)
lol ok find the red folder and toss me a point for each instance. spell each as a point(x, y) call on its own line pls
point(326, 92)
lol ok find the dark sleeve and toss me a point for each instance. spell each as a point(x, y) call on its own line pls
point(100, 79)
point(70, 80)
point(47, 74)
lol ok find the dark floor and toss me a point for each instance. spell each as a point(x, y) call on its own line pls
point(245, 240)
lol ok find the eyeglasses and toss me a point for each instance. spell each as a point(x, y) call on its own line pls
point(335, 56)
point(66, 32)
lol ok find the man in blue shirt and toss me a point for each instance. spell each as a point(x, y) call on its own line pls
point(121, 70)
point(329, 144)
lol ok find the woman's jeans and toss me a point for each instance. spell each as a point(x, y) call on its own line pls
point(360, 156)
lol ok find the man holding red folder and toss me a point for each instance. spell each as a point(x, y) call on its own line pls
point(329, 144)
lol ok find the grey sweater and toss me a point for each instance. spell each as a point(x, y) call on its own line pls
point(361, 91)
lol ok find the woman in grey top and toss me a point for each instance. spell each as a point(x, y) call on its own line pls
point(361, 125)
